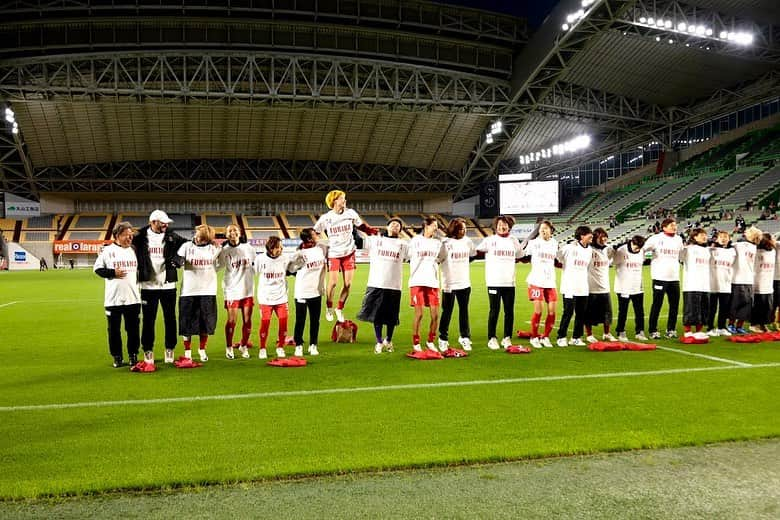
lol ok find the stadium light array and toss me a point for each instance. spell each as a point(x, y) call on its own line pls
point(10, 117)
point(572, 19)
point(605, 161)
point(573, 145)
point(495, 128)
point(693, 29)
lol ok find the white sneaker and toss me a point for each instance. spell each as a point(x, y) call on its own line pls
point(700, 335)
point(546, 342)
point(688, 334)
point(298, 351)
point(562, 342)
point(493, 344)
point(244, 351)
point(202, 354)
point(723, 332)
point(340, 315)
point(389, 347)
point(444, 345)
point(713, 333)
point(262, 354)
point(756, 329)
point(608, 337)
point(536, 343)
point(465, 343)
point(655, 335)
point(640, 336)
point(378, 348)
point(506, 342)
point(430, 345)
point(590, 339)
point(577, 342)
point(622, 337)
point(149, 357)
point(313, 350)
point(280, 352)
point(416, 347)
point(229, 353)
point(169, 355)
point(188, 354)
point(329, 314)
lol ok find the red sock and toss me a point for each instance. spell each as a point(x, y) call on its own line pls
point(341, 305)
point(416, 339)
point(698, 328)
point(687, 328)
point(246, 331)
point(264, 326)
point(329, 304)
point(187, 344)
point(230, 328)
point(431, 337)
point(548, 324)
point(535, 318)
point(588, 330)
point(204, 340)
point(740, 323)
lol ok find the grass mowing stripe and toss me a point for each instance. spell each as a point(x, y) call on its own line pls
point(705, 356)
point(418, 386)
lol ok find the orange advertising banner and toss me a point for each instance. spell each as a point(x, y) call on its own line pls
point(91, 247)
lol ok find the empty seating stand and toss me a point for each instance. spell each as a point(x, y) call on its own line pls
point(89, 227)
point(261, 227)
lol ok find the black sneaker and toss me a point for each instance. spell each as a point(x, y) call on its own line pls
point(133, 359)
point(118, 362)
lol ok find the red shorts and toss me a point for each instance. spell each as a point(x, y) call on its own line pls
point(424, 296)
point(267, 310)
point(240, 304)
point(345, 263)
point(542, 294)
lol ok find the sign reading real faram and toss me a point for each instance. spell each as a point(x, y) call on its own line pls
point(91, 247)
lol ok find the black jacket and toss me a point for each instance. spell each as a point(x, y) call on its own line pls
point(171, 244)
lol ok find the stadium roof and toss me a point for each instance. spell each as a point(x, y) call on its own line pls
point(368, 95)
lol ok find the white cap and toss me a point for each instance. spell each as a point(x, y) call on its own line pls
point(160, 215)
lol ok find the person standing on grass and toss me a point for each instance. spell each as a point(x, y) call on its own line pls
point(762, 286)
point(309, 266)
point(742, 282)
point(665, 248)
point(456, 283)
point(599, 297)
point(339, 224)
point(425, 255)
point(237, 257)
point(541, 252)
point(575, 259)
point(501, 252)
point(628, 261)
point(722, 257)
point(272, 268)
point(382, 301)
point(118, 265)
point(156, 246)
point(776, 287)
point(198, 300)
point(695, 258)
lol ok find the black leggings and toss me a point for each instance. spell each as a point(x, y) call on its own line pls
point(722, 300)
point(576, 306)
point(448, 305)
point(314, 306)
point(638, 302)
point(497, 296)
point(167, 300)
point(672, 291)
point(114, 316)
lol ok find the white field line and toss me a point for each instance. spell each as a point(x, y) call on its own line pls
point(7, 304)
point(705, 356)
point(329, 391)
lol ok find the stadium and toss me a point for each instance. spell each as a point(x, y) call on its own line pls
point(248, 115)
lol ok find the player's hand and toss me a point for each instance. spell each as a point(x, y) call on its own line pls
point(119, 273)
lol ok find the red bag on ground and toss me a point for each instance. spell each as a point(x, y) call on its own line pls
point(745, 338)
point(770, 336)
point(288, 362)
point(424, 354)
point(344, 332)
point(454, 352)
point(185, 362)
point(517, 349)
point(614, 346)
point(524, 334)
point(143, 366)
point(690, 340)
point(639, 346)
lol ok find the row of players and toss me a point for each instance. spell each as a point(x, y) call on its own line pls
point(152, 256)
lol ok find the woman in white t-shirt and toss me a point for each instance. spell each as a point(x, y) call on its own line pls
point(339, 224)
point(309, 266)
point(575, 259)
point(665, 248)
point(271, 269)
point(456, 283)
point(628, 261)
point(762, 286)
point(501, 252)
point(238, 284)
point(425, 255)
point(695, 258)
point(541, 251)
point(743, 279)
point(118, 264)
point(198, 300)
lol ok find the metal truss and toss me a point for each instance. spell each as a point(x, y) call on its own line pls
point(16, 171)
point(536, 74)
point(241, 177)
point(764, 47)
point(250, 78)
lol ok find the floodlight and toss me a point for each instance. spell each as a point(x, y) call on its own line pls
point(496, 127)
point(659, 22)
point(642, 19)
point(15, 130)
point(565, 27)
point(668, 24)
point(724, 35)
point(708, 32)
point(682, 26)
point(671, 41)
point(9, 118)
point(658, 38)
point(651, 21)
point(700, 29)
point(489, 139)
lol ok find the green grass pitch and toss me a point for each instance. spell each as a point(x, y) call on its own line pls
point(349, 410)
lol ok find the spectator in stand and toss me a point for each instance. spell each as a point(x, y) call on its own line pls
point(425, 255)
point(763, 306)
point(156, 246)
point(309, 266)
point(739, 224)
point(118, 265)
point(722, 256)
point(456, 283)
point(628, 261)
point(665, 248)
point(237, 257)
point(742, 283)
point(575, 259)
